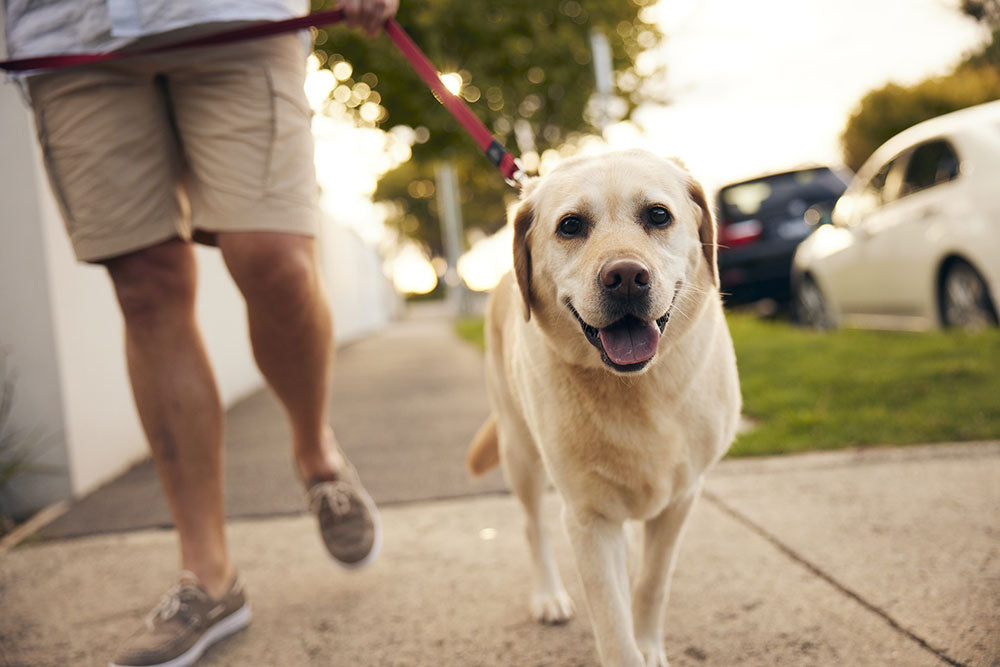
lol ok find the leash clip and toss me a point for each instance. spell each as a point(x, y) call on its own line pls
point(518, 177)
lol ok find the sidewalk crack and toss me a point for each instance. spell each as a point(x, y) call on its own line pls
point(828, 578)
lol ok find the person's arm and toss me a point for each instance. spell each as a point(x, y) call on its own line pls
point(368, 15)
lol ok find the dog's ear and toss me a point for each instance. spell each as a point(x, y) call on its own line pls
point(523, 219)
point(706, 228)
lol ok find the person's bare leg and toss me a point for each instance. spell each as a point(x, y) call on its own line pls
point(177, 399)
point(292, 335)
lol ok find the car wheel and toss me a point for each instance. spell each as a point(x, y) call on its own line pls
point(809, 305)
point(965, 299)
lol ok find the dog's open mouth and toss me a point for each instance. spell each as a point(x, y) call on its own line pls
point(627, 344)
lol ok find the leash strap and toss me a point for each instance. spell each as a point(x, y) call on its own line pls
point(255, 31)
point(493, 149)
point(497, 154)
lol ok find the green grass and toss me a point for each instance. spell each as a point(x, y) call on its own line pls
point(810, 390)
point(471, 329)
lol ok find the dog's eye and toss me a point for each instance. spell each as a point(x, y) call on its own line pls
point(570, 226)
point(659, 216)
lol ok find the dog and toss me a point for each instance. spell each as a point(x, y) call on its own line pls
point(610, 368)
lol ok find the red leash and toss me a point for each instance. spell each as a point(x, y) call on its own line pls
point(493, 149)
point(497, 154)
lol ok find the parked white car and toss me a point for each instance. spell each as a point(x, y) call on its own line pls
point(915, 240)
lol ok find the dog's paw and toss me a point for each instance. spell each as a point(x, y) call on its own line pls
point(552, 608)
point(653, 655)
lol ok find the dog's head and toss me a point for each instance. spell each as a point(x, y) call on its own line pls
point(609, 250)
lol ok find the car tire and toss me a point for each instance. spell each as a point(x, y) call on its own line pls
point(965, 298)
point(809, 306)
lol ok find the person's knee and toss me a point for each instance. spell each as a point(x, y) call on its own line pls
point(281, 278)
point(155, 288)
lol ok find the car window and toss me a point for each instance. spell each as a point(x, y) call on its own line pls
point(930, 164)
point(779, 197)
point(875, 193)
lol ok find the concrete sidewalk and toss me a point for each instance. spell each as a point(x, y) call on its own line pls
point(873, 557)
point(404, 404)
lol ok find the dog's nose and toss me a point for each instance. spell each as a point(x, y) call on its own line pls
point(625, 278)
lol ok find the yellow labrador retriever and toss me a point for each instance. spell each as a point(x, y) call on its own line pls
point(610, 366)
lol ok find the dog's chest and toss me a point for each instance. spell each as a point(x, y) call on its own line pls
point(622, 467)
point(626, 448)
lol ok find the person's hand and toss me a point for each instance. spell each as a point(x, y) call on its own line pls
point(369, 15)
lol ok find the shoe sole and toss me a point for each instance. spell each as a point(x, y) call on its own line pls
point(235, 622)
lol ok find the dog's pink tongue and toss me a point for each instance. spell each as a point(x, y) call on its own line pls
point(630, 341)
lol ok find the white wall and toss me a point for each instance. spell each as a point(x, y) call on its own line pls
point(362, 298)
point(59, 320)
point(26, 324)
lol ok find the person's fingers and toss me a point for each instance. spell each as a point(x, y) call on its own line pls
point(371, 13)
point(391, 7)
point(376, 13)
point(353, 12)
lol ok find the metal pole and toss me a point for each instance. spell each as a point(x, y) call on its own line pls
point(603, 75)
point(450, 214)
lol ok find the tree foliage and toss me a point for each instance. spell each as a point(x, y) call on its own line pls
point(526, 72)
point(986, 11)
point(887, 111)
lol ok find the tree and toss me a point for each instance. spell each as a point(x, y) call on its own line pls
point(987, 11)
point(526, 73)
point(887, 111)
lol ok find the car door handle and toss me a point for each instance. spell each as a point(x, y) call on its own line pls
point(929, 212)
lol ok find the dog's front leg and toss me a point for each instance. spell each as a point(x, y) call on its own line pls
point(599, 547)
point(661, 536)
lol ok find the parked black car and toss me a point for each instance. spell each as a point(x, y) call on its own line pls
point(761, 221)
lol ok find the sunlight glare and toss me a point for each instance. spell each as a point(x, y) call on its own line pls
point(530, 161)
point(487, 260)
point(342, 70)
point(412, 273)
point(369, 112)
point(319, 84)
point(453, 82)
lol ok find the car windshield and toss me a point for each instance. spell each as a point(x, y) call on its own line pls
point(779, 197)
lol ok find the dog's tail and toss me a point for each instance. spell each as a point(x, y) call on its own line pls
point(484, 451)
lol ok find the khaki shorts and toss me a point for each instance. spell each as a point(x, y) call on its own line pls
point(187, 144)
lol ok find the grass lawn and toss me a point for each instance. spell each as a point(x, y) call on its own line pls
point(811, 390)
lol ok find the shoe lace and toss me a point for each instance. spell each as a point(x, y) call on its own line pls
point(169, 606)
point(337, 495)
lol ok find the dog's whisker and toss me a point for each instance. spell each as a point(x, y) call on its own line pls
point(684, 315)
point(688, 288)
point(680, 307)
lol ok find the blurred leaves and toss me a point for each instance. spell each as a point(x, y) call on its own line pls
point(412, 191)
point(524, 65)
point(986, 11)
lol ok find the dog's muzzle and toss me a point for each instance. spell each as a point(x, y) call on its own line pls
point(630, 342)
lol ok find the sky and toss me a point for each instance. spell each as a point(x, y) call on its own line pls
point(767, 85)
point(754, 87)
